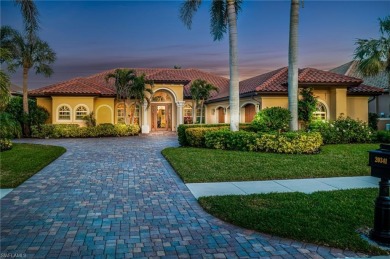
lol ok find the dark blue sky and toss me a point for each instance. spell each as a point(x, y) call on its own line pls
point(92, 36)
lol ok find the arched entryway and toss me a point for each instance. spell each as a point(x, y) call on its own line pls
point(162, 111)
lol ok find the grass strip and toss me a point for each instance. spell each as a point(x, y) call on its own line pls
point(325, 218)
point(24, 160)
point(210, 165)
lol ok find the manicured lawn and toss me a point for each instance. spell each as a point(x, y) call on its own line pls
point(25, 160)
point(210, 165)
point(325, 218)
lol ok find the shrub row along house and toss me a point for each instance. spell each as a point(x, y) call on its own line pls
point(171, 104)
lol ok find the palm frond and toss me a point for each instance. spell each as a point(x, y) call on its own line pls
point(385, 25)
point(30, 16)
point(187, 11)
point(4, 89)
point(218, 21)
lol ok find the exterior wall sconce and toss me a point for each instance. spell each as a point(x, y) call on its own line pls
point(212, 111)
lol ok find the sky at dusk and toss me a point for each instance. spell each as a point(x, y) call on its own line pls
point(93, 36)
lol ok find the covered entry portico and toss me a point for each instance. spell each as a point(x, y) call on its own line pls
point(165, 112)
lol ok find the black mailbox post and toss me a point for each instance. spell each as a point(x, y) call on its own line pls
point(379, 160)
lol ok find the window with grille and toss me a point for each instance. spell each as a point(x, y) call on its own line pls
point(321, 112)
point(81, 112)
point(64, 113)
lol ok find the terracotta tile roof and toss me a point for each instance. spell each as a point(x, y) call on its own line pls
point(350, 69)
point(76, 86)
point(276, 82)
point(271, 82)
point(96, 84)
point(183, 76)
point(365, 89)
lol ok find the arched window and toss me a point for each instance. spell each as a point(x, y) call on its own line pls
point(187, 114)
point(64, 113)
point(161, 97)
point(134, 114)
point(321, 112)
point(120, 113)
point(81, 112)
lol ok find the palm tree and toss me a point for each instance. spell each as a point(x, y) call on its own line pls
point(27, 55)
point(5, 56)
point(200, 91)
point(374, 54)
point(223, 16)
point(138, 89)
point(293, 65)
point(123, 79)
point(30, 17)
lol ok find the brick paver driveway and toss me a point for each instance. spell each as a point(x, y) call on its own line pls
point(118, 197)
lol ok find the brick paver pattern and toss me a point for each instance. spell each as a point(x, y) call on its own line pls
point(119, 198)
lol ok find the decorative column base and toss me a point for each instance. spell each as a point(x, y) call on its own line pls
point(145, 129)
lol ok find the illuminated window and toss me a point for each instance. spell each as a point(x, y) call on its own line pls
point(161, 97)
point(134, 114)
point(81, 112)
point(321, 112)
point(64, 113)
point(187, 114)
point(120, 113)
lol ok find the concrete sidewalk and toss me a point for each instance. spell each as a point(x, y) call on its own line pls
point(295, 185)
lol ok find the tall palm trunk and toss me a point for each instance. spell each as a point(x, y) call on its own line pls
point(26, 128)
point(201, 111)
point(233, 62)
point(293, 65)
point(194, 112)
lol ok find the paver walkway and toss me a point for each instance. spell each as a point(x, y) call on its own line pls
point(118, 197)
point(293, 185)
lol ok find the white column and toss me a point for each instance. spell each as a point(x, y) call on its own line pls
point(145, 125)
point(179, 120)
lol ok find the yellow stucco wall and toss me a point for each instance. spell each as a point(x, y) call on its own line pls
point(104, 109)
point(338, 103)
point(357, 107)
point(72, 103)
point(274, 101)
point(335, 99)
point(46, 103)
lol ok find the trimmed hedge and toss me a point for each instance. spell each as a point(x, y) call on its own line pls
point(75, 131)
point(195, 137)
point(181, 129)
point(288, 143)
point(225, 139)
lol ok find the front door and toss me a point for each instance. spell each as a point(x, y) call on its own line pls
point(221, 115)
point(161, 116)
point(250, 112)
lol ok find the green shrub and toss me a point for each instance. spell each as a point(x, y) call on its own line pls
point(290, 143)
point(306, 105)
point(225, 139)
point(37, 115)
point(9, 127)
point(5, 144)
point(343, 131)
point(195, 137)
point(75, 131)
point(272, 119)
point(122, 130)
point(373, 120)
point(383, 136)
point(181, 130)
